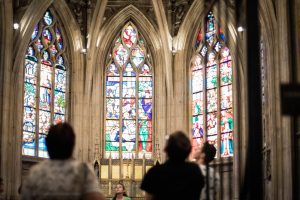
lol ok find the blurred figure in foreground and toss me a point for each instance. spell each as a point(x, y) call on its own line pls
point(61, 177)
point(177, 178)
point(212, 178)
point(120, 192)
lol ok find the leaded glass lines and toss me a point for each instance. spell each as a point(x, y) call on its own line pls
point(211, 74)
point(128, 126)
point(44, 85)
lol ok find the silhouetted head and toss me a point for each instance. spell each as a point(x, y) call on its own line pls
point(178, 146)
point(60, 141)
point(209, 152)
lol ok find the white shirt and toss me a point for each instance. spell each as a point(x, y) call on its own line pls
point(214, 183)
point(59, 179)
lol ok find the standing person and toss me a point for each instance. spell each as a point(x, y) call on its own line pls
point(177, 178)
point(203, 157)
point(120, 192)
point(61, 177)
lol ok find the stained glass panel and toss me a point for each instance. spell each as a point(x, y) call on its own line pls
point(197, 81)
point(46, 76)
point(137, 55)
point(129, 81)
point(45, 98)
point(212, 104)
point(28, 143)
point(30, 72)
point(47, 36)
point(145, 70)
point(211, 74)
point(112, 86)
point(29, 97)
point(129, 35)
point(197, 104)
point(59, 102)
point(216, 74)
point(129, 71)
point(128, 109)
point(44, 121)
point(145, 109)
point(112, 108)
point(48, 19)
point(29, 119)
point(226, 73)
point(226, 97)
point(128, 87)
point(39, 89)
point(59, 38)
point(112, 70)
point(145, 87)
point(35, 32)
point(60, 80)
point(212, 124)
point(120, 54)
point(196, 63)
point(227, 144)
point(226, 120)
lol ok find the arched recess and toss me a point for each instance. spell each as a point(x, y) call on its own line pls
point(22, 37)
point(184, 44)
point(104, 42)
point(276, 130)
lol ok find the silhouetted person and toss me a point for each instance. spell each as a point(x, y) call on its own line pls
point(203, 157)
point(176, 179)
point(61, 177)
point(120, 192)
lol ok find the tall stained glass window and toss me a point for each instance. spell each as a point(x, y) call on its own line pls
point(44, 85)
point(129, 91)
point(211, 90)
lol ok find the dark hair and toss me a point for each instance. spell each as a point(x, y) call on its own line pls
point(124, 193)
point(60, 141)
point(178, 146)
point(210, 152)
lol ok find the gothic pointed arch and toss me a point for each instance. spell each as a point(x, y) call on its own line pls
point(45, 84)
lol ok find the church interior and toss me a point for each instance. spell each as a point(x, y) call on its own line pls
point(127, 73)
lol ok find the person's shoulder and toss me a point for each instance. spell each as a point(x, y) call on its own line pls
point(127, 198)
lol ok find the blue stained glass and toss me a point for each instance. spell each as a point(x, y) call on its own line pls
point(30, 72)
point(60, 79)
point(112, 86)
point(30, 51)
point(128, 108)
point(112, 108)
point(39, 44)
point(129, 70)
point(113, 70)
point(59, 38)
point(227, 144)
point(48, 19)
point(145, 109)
point(128, 87)
point(145, 70)
point(35, 32)
point(28, 143)
point(60, 60)
point(42, 143)
point(29, 119)
point(47, 36)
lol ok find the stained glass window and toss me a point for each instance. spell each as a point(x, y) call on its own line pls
point(45, 79)
point(211, 88)
point(129, 91)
